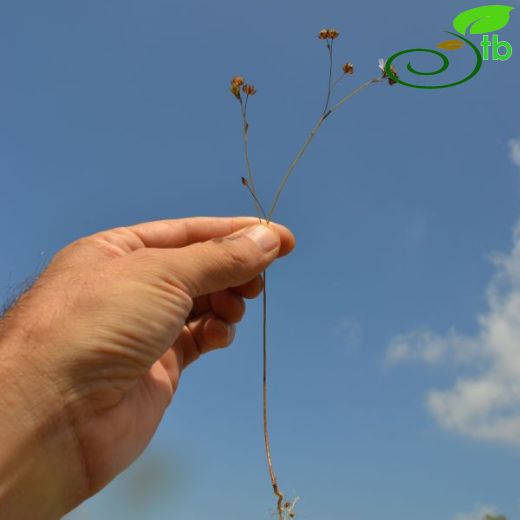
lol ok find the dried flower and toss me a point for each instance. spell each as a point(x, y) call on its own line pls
point(348, 68)
point(392, 81)
point(244, 181)
point(328, 33)
point(382, 67)
point(237, 80)
point(249, 90)
point(236, 83)
point(235, 90)
point(324, 34)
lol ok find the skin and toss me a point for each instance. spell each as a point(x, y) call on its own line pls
point(93, 352)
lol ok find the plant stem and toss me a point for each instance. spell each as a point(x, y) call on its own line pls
point(260, 211)
point(333, 86)
point(274, 482)
point(311, 137)
point(329, 47)
point(251, 182)
point(294, 163)
point(377, 79)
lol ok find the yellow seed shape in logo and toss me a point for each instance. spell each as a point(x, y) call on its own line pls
point(451, 45)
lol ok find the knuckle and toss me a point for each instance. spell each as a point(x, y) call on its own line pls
point(149, 265)
point(73, 246)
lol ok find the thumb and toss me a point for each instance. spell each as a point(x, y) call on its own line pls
point(224, 262)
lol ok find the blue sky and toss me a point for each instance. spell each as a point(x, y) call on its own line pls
point(394, 326)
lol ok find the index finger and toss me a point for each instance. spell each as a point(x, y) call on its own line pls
point(185, 231)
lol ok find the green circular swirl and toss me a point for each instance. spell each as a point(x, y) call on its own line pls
point(444, 66)
point(445, 63)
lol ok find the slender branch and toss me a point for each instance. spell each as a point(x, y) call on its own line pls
point(356, 91)
point(336, 82)
point(250, 179)
point(295, 162)
point(274, 482)
point(249, 183)
point(281, 507)
point(329, 47)
point(311, 137)
point(255, 198)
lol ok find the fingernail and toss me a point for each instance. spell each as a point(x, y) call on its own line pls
point(231, 331)
point(266, 238)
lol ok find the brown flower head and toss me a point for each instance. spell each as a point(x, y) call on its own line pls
point(382, 68)
point(348, 68)
point(392, 81)
point(237, 80)
point(235, 90)
point(325, 34)
point(249, 90)
point(244, 181)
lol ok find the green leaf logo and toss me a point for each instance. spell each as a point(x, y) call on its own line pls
point(482, 20)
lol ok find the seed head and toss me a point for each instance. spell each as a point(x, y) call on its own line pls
point(382, 67)
point(348, 68)
point(325, 34)
point(244, 181)
point(235, 90)
point(249, 90)
point(392, 81)
point(236, 82)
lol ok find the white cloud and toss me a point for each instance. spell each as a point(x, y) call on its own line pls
point(485, 405)
point(423, 345)
point(514, 151)
point(479, 514)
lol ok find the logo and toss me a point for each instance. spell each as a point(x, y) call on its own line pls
point(480, 20)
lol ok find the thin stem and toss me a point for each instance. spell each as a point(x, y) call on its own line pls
point(295, 162)
point(336, 82)
point(281, 508)
point(274, 482)
point(329, 47)
point(250, 179)
point(356, 91)
point(251, 187)
point(311, 137)
point(255, 198)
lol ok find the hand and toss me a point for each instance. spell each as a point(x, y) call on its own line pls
point(104, 334)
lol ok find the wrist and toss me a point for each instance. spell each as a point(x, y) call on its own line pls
point(41, 469)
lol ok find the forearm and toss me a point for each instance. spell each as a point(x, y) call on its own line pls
point(40, 470)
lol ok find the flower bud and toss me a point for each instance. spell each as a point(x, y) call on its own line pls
point(249, 90)
point(348, 68)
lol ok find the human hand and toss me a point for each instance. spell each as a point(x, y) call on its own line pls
point(104, 334)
